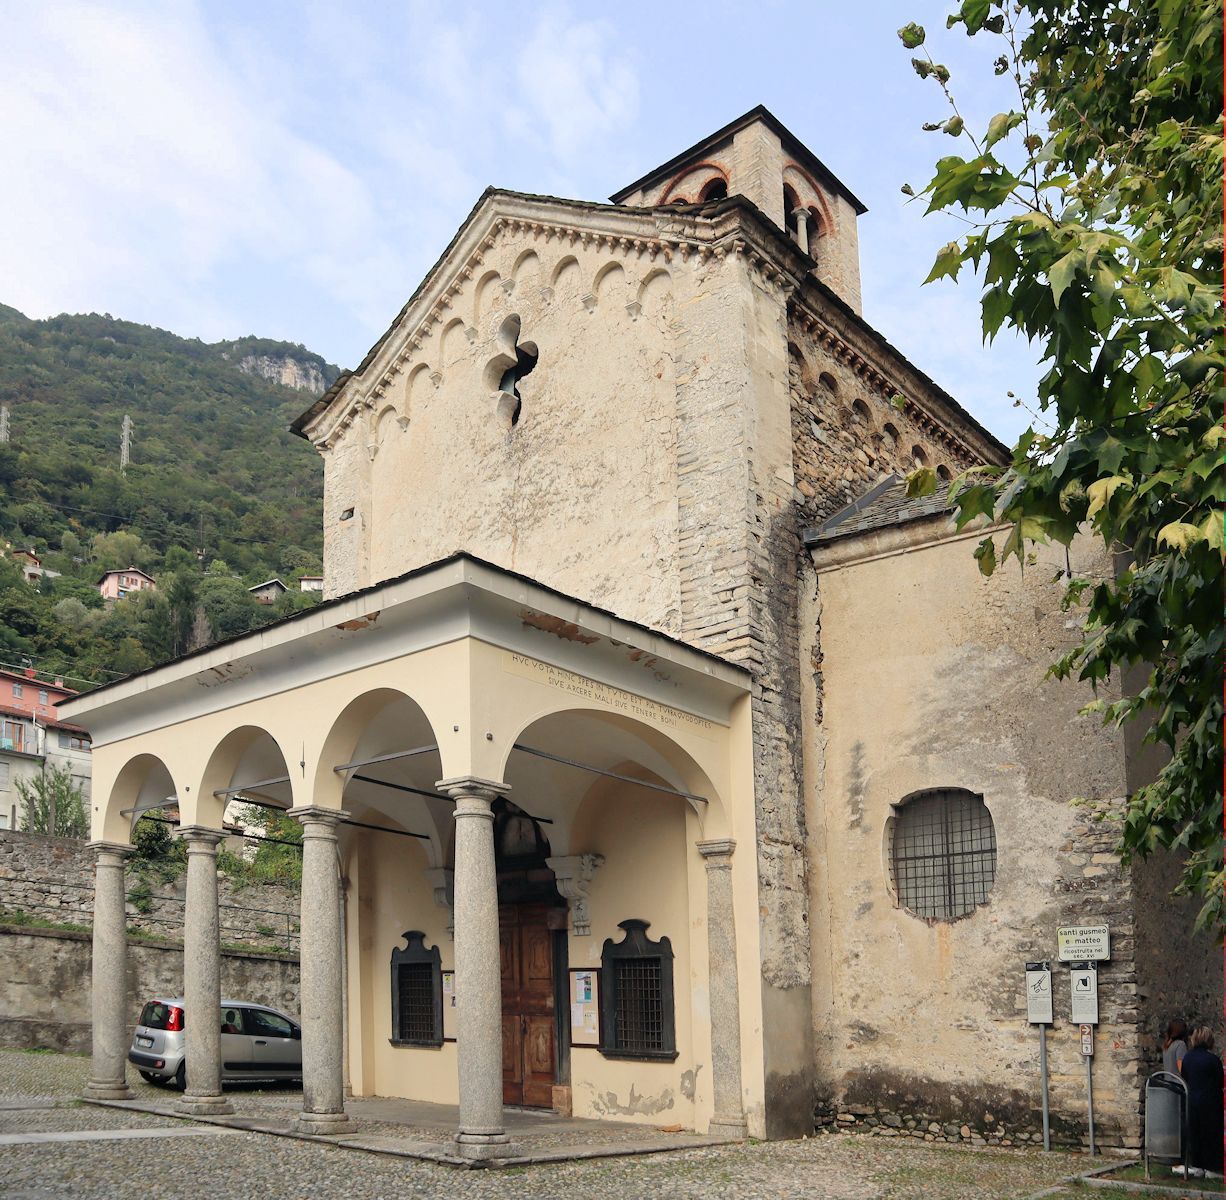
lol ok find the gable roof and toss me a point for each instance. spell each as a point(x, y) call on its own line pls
point(791, 143)
point(126, 571)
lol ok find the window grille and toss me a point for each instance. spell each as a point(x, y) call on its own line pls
point(637, 1010)
point(417, 993)
point(943, 854)
point(640, 1011)
point(415, 983)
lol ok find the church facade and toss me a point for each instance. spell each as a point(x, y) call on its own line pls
point(657, 759)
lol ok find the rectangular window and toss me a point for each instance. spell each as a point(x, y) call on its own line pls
point(18, 690)
point(73, 741)
point(4, 777)
point(12, 736)
point(416, 1009)
point(640, 1007)
point(42, 695)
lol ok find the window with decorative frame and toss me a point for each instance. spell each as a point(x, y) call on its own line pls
point(417, 993)
point(636, 995)
point(942, 853)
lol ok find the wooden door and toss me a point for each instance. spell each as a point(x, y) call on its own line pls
point(529, 1038)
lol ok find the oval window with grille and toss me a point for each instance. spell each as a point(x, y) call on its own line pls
point(943, 853)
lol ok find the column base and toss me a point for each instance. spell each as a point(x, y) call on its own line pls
point(481, 1146)
point(729, 1127)
point(204, 1106)
point(108, 1091)
point(324, 1124)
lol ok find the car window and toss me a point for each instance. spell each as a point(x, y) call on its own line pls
point(267, 1024)
point(153, 1015)
point(232, 1020)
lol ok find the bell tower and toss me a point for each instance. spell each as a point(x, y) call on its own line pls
point(758, 157)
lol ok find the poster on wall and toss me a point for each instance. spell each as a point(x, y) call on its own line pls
point(449, 1010)
point(585, 1006)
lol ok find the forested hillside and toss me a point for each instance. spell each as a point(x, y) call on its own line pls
point(217, 495)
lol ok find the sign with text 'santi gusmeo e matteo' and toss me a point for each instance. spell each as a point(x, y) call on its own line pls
point(1089, 942)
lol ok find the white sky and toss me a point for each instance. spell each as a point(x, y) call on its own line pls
point(292, 168)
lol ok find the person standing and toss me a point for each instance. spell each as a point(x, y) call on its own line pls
point(1202, 1072)
point(1174, 1046)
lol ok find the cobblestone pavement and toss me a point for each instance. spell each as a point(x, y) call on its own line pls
point(37, 1094)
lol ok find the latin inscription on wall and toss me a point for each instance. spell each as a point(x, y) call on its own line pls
point(662, 716)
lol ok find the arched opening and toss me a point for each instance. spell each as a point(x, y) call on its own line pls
point(919, 456)
point(620, 806)
point(891, 435)
point(714, 189)
point(860, 412)
point(944, 473)
point(828, 382)
point(791, 203)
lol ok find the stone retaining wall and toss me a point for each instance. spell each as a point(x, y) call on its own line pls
point(48, 879)
point(45, 983)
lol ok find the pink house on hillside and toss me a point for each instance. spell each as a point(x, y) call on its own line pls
point(115, 585)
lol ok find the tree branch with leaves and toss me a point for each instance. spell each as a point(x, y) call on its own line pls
point(1095, 226)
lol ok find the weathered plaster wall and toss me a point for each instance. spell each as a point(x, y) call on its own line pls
point(45, 983)
point(928, 675)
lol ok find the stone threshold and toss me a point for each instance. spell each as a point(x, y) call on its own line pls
point(430, 1151)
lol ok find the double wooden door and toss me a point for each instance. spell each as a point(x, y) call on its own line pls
point(529, 1024)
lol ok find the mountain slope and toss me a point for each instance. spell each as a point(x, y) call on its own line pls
point(217, 494)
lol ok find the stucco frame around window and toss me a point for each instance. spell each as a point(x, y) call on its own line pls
point(636, 946)
point(414, 953)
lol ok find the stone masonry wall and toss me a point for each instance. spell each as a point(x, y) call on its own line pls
point(52, 880)
point(45, 983)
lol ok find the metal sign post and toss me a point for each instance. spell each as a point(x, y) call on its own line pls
point(1087, 1049)
point(1083, 990)
point(1039, 1012)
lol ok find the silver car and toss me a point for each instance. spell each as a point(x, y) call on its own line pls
point(257, 1042)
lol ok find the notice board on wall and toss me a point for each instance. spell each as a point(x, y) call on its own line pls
point(449, 1009)
point(584, 1006)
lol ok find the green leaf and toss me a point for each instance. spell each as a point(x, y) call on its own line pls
point(1179, 535)
point(1211, 531)
point(999, 127)
point(974, 13)
point(1060, 274)
point(985, 555)
point(912, 35)
point(921, 482)
point(1101, 491)
point(948, 263)
point(953, 126)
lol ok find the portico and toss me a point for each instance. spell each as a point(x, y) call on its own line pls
point(520, 877)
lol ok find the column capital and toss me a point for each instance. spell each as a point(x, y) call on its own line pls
point(317, 814)
point(201, 837)
point(717, 852)
point(116, 850)
point(473, 787)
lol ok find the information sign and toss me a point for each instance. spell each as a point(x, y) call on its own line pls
point(1038, 993)
point(1084, 942)
point(584, 1006)
point(1087, 1040)
point(449, 1006)
point(1083, 988)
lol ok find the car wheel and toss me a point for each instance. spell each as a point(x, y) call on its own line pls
point(149, 1077)
point(181, 1077)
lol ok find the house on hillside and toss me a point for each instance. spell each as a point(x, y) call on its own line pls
point(311, 583)
point(33, 735)
point(115, 585)
point(658, 760)
point(32, 569)
point(268, 592)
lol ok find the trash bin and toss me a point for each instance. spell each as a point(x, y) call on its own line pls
point(1166, 1119)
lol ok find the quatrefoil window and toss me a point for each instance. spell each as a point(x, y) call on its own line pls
point(514, 360)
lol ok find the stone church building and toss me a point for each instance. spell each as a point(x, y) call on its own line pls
point(657, 759)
